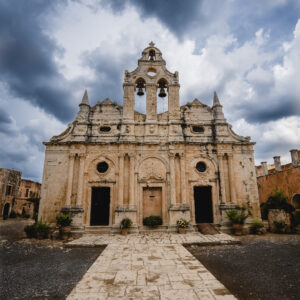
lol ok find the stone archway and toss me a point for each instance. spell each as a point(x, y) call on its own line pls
point(296, 201)
point(5, 211)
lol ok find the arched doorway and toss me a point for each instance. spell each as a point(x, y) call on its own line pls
point(296, 201)
point(5, 211)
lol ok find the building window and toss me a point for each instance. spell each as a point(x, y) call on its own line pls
point(8, 190)
point(198, 129)
point(105, 129)
point(26, 193)
point(102, 167)
point(201, 166)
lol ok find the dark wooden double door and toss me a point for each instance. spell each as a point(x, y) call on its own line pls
point(203, 204)
point(100, 206)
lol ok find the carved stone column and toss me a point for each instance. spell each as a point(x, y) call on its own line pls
point(121, 180)
point(151, 106)
point(222, 179)
point(70, 179)
point(131, 180)
point(80, 179)
point(173, 101)
point(182, 179)
point(172, 179)
point(231, 179)
point(128, 101)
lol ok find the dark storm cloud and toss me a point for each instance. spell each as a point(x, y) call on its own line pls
point(27, 57)
point(4, 118)
point(177, 15)
point(108, 73)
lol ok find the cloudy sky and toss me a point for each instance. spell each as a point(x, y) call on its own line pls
point(50, 51)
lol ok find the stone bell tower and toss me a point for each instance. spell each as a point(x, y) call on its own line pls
point(151, 77)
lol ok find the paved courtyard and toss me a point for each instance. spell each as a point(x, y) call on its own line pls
point(149, 266)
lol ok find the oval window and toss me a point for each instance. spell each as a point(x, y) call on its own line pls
point(102, 167)
point(151, 72)
point(198, 129)
point(201, 166)
point(105, 129)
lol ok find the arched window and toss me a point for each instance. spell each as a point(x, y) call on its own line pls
point(162, 96)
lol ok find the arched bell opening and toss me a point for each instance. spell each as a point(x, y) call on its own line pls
point(140, 96)
point(152, 55)
point(162, 96)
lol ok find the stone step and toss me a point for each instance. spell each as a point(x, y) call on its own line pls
point(98, 229)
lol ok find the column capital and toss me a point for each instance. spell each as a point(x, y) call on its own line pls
point(131, 154)
point(171, 154)
point(121, 155)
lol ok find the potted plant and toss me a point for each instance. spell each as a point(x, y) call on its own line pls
point(64, 225)
point(237, 217)
point(182, 225)
point(257, 226)
point(152, 221)
point(125, 225)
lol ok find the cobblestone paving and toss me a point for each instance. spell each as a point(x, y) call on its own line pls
point(149, 266)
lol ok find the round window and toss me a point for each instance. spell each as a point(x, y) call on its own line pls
point(201, 166)
point(102, 167)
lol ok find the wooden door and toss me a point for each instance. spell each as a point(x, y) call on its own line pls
point(100, 206)
point(152, 201)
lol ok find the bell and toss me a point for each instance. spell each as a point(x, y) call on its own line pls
point(162, 93)
point(140, 92)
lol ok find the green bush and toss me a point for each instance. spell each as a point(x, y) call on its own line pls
point(126, 223)
point(31, 231)
point(152, 221)
point(38, 229)
point(256, 225)
point(277, 200)
point(238, 215)
point(280, 226)
point(63, 220)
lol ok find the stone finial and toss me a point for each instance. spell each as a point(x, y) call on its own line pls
point(151, 44)
point(264, 168)
point(294, 156)
point(85, 99)
point(277, 163)
point(216, 101)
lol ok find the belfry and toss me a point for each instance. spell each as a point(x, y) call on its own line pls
point(114, 162)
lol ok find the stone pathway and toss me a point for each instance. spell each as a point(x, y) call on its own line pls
point(149, 266)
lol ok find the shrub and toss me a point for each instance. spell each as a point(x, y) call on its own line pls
point(31, 231)
point(126, 223)
point(43, 229)
point(182, 223)
point(238, 215)
point(277, 200)
point(13, 215)
point(256, 225)
point(38, 229)
point(63, 220)
point(280, 226)
point(152, 221)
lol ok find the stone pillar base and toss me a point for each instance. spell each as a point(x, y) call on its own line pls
point(178, 212)
point(122, 213)
point(76, 213)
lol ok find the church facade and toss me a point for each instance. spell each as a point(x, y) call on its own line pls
point(113, 162)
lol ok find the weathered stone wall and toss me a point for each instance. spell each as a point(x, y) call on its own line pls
point(287, 180)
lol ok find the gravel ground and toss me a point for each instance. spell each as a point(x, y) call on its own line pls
point(262, 267)
point(39, 269)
